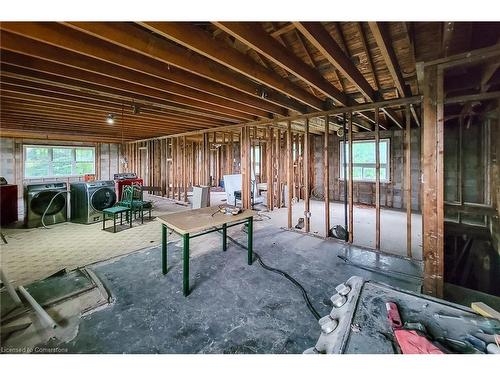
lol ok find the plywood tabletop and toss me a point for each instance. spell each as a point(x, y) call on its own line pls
point(197, 220)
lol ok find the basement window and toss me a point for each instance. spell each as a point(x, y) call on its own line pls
point(363, 154)
point(257, 159)
point(58, 161)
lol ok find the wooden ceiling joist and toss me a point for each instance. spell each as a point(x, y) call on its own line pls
point(322, 40)
point(144, 117)
point(198, 40)
point(254, 36)
point(283, 30)
point(384, 43)
point(100, 116)
point(125, 90)
point(50, 90)
point(41, 96)
point(9, 131)
point(133, 38)
point(67, 39)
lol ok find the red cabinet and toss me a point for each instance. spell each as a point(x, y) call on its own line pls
point(121, 183)
point(8, 204)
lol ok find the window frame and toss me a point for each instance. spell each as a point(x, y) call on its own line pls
point(51, 160)
point(386, 180)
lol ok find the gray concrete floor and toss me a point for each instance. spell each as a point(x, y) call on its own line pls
point(233, 307)
point(392, 223)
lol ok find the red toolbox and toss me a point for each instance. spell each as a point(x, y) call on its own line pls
point(121, 183)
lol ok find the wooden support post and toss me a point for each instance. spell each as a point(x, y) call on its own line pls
point(174, 167)
point(351, 178)
point(245, 167)
point(432, 167)
point(253, 143)
point(179, 169)
point(307, 208)
point(377, 180)
point(326, 175)
point(184, 170)
point(296, 192)
point(408, 180)
point(193, 164)
point(206, 158)
point(300, 167)
point(270, 174)
point(289, 174)
point(277, 168)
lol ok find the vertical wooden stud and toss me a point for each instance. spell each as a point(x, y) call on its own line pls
point(307, 208)
point(377, 179)
point(326, 174)
point(408, 180)
point(351, 179)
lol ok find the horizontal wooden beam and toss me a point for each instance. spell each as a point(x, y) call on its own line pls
point(337, 112)
point(148, 87)
point(200, 41)
point(65, 39)
point(8, 132)
point(135, 39)
point(283, 30)
point(322, 40)
point(144, 118)
point(33, 88)
point(254, 36)
point(152, 104)
point(384, 43)
point(472, 97)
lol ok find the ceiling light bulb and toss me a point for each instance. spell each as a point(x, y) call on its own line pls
point(110, 119)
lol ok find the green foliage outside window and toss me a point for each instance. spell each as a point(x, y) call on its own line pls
point(364, 160)
point(46, 161)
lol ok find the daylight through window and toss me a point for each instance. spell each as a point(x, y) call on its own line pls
point(58, 161)
point(363, 155)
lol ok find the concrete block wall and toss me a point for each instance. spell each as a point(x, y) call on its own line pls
point(11, 161)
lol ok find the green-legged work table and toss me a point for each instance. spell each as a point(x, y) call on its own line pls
point(194, 223)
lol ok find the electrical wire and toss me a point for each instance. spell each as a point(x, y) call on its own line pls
point(47, 209)
point(311, 308)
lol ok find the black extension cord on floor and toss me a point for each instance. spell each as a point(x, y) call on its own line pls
point(285, 275)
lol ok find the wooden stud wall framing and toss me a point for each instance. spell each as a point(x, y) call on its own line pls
point(377, 180)
point(289, 175)
point(431, 153)
point(350, 174)
point(307, 209)
point(408, 180)
point(326, 174)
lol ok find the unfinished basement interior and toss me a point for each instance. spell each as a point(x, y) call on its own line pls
point(250, 187)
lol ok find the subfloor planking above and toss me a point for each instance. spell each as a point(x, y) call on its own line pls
point(126, 81)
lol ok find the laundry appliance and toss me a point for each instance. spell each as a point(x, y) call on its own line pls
point(48, 201)
point(88, 199)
